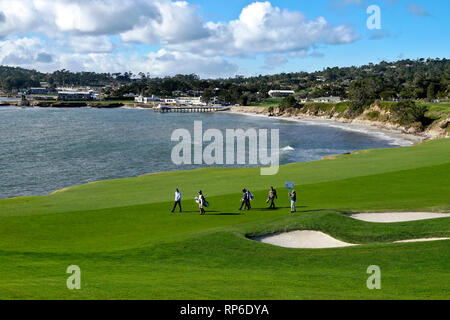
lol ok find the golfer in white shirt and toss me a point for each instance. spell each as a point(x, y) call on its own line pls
point(177, 200)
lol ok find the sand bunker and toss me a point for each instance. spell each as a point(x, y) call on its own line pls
point(422, 240)
point(316, 240)
point(319, 240)
point(303, 240)
point(390, 217)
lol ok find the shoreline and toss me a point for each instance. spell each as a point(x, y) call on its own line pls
point(398, 135)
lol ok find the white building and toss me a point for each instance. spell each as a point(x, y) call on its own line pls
point(146, 100)
point(190, 101)
point(280, 93)
point(330, 99)
point(171, 101)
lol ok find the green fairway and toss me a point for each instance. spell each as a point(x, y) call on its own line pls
point(129, 246)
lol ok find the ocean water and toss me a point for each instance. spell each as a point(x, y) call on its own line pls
point(43, 150)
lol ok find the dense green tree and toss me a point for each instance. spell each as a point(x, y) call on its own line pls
point(362, 93)
point(243, 100)
point(432, 91)
point(408, 112)
point(207, 95)
point(288, 102)
point(387, 95)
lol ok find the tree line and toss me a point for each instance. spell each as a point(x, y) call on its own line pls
point(404, 79)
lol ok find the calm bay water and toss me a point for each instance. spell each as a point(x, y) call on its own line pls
point(43, 150)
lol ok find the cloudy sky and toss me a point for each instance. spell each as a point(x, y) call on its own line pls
point(217, 38)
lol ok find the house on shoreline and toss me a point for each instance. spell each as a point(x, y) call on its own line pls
point(74, 95)
point(330, 99)
point(147, 100)
point(185, 101)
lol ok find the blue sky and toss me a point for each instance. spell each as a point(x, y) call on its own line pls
point(407, 35)
point(217, 38)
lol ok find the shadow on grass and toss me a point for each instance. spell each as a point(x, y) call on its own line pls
point(197, 211)
point(224, 214)
point(344, 213)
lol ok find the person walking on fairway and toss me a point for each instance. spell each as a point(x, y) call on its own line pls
point(293, 196)
point(245, 200)
point(250, 198)
point(201, 202)
point(272, 196)
point(177, 200)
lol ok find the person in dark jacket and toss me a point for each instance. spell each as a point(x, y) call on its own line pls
point(201, 202)
point(293, 196)
point(272, 196)
point(250, 197)
point(245, 200)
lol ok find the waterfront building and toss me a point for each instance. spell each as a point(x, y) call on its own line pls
point(146, 100)
point(37, 91)
point(77, 95)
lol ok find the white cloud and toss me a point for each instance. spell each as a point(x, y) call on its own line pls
point(28, 52)
point(262, 28)
point(91, 44)
point(76, 35)
point(174, 62)
point(53, 17)
point(178, 22)
point(340, 35)
point(160, 63)
point(417, 10)
point(33, 53)
point(273, 61)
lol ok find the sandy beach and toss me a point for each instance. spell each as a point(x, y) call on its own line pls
point(397, 135)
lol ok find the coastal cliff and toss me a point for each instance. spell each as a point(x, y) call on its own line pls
point(376, 116)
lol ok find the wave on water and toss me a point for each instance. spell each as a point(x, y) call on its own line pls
point(287, 149)
point(135, 108)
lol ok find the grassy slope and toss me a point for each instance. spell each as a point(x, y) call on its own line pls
point(437, 111)
point(269, 102)
point(128, 246)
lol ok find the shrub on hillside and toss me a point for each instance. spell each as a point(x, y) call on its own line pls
point(407, 113)
point(288, 102)
point(374, 115)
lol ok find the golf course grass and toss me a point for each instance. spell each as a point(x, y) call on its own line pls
point(129, 246)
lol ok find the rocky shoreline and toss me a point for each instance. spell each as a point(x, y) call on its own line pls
point(412, 134)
